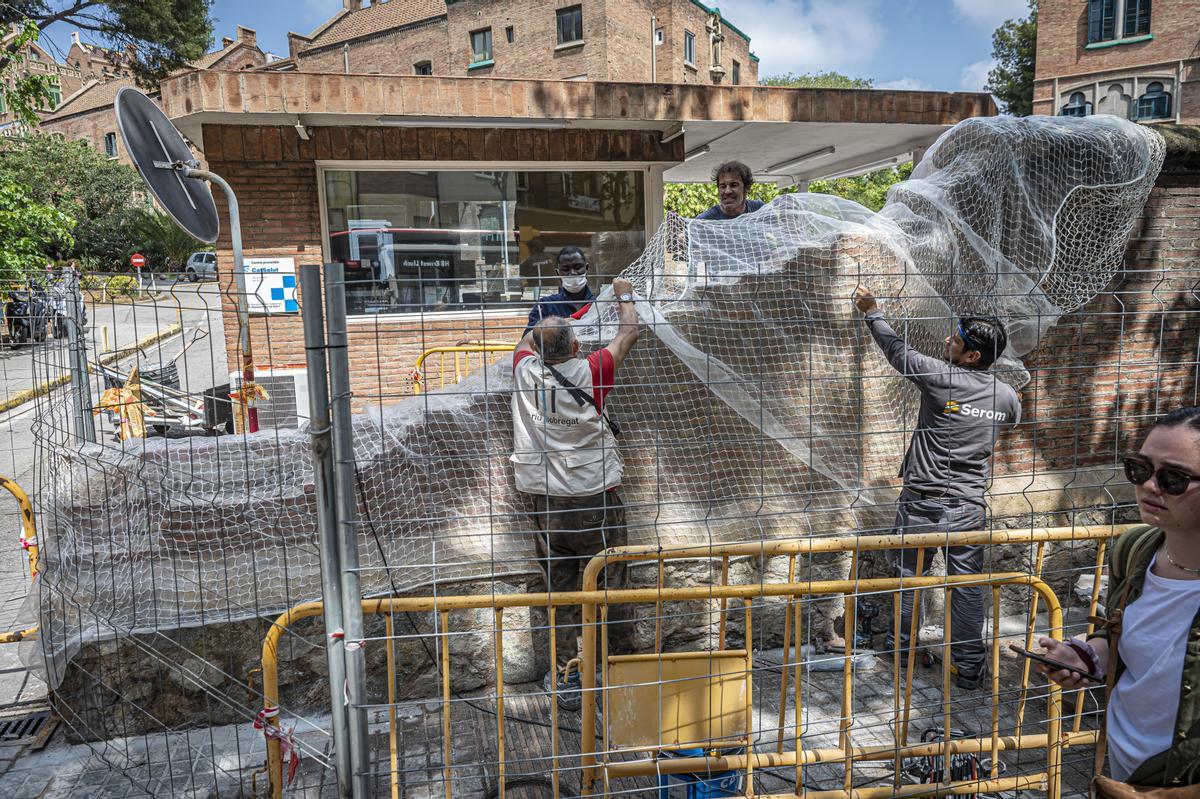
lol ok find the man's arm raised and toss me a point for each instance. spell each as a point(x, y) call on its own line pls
point(627, 333)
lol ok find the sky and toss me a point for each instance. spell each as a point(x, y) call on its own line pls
point(904, 44)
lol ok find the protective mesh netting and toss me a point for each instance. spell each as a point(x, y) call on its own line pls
point(756, 406)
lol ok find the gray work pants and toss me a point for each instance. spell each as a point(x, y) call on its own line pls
point(916, 514)
point(570, 531)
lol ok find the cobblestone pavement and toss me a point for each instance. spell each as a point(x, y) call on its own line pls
point(220, 762)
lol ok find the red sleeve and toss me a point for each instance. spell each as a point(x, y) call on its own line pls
point(579, 314)
point(604, 375)
point(520, 356)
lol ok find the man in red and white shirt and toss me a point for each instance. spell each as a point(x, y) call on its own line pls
point(566, 457)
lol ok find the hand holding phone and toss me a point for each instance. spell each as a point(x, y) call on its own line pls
point(1056, 664)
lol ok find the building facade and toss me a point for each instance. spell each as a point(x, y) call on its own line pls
point(65, 80)
point(1129, 58)
point(665, 41)
point(89, 113)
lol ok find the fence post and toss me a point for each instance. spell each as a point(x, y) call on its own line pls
point(347, 512)
point(320, 435)
point(81, 390)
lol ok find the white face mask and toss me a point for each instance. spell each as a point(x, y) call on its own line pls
point(574, 283)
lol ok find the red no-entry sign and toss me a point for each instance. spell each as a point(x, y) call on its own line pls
point(137, 260)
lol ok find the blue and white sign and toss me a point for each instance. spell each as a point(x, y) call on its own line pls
point(271, 284)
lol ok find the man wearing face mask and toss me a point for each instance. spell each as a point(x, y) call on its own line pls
point(575, 294)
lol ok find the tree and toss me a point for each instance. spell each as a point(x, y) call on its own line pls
point(818, 80)
point(101, 196)
point(23, 94)
point(164, 243)
point(870, 190)
point(158, 35)
point(1014, 47)
point(29, 230)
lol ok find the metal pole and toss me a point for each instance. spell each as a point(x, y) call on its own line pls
point(320, 435)
point(347, 512)
point(239, 274)
point(653, 49)
point(81, 390)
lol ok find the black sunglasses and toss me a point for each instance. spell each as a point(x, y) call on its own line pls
point(1171, 480)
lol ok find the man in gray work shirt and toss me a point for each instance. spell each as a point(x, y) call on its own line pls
point(949, 462)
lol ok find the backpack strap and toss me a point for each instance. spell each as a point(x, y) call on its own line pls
point(582, 397)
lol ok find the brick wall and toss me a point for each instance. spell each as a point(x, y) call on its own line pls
point(1062, 52)
point(91, 127)
point(274, 175)
point(1130, 354)
point(616, 44)
point(391, 53)
point(535, 52)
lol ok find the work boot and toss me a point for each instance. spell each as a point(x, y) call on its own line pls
point(969, 681)
point(568, 686)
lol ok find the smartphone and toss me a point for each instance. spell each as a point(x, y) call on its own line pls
point(1040, 658)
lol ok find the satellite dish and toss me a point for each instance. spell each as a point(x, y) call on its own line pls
point(160, 155)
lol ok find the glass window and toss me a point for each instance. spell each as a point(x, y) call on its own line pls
point(1077, 106)
point(424, 241)
point(570, 24)
point(1155, 103)
point(1102, 18)
point(55, 93)
point(737, 74)
point(509, 34)
point(423, 68)
point(689, 47)
point(3, 108)
point(1137, 17)
point(110, 145)
point(481, 45)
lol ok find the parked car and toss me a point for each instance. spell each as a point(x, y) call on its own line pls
point(201, 266)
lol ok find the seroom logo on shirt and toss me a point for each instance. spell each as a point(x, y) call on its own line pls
point(967, 409)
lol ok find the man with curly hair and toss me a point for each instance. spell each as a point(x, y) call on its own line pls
point(733, 179)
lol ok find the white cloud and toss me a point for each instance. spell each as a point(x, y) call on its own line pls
point(974, 76)
point(990, 13)
point(812, 35)
point(906, 84)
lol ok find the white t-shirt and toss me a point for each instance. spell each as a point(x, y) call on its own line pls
point(1145, 701)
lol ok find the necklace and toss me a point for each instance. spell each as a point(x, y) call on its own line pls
point(1171, 560)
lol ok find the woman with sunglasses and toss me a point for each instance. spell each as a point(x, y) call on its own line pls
point(1154, 575)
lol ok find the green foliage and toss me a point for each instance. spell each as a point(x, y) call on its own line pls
point(29, 230)
point(103, 196)
point(870, 190)
point(818, 80)
point(165, 35)
point(165, 244)
point(121, 286)
point(691, 199)
point(1014, 46)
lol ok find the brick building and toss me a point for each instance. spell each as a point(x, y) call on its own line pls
point(668, 41)
point(1122, 57)
point(88, 114)
point(65, 79)
point(98, 63)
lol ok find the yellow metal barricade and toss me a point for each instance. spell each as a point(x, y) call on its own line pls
point(438, 367)
point(29, 543)
point(717, 704)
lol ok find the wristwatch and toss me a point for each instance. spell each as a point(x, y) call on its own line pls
point(626, 297)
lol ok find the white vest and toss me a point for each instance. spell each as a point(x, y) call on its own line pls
point(560, 448)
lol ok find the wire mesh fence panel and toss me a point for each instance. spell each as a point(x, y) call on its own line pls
point(182, 602)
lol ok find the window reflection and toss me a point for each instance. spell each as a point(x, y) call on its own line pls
point(421, 241)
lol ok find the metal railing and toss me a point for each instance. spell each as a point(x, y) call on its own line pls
point(597, 763)
point(29, 542)
point(463, 357)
